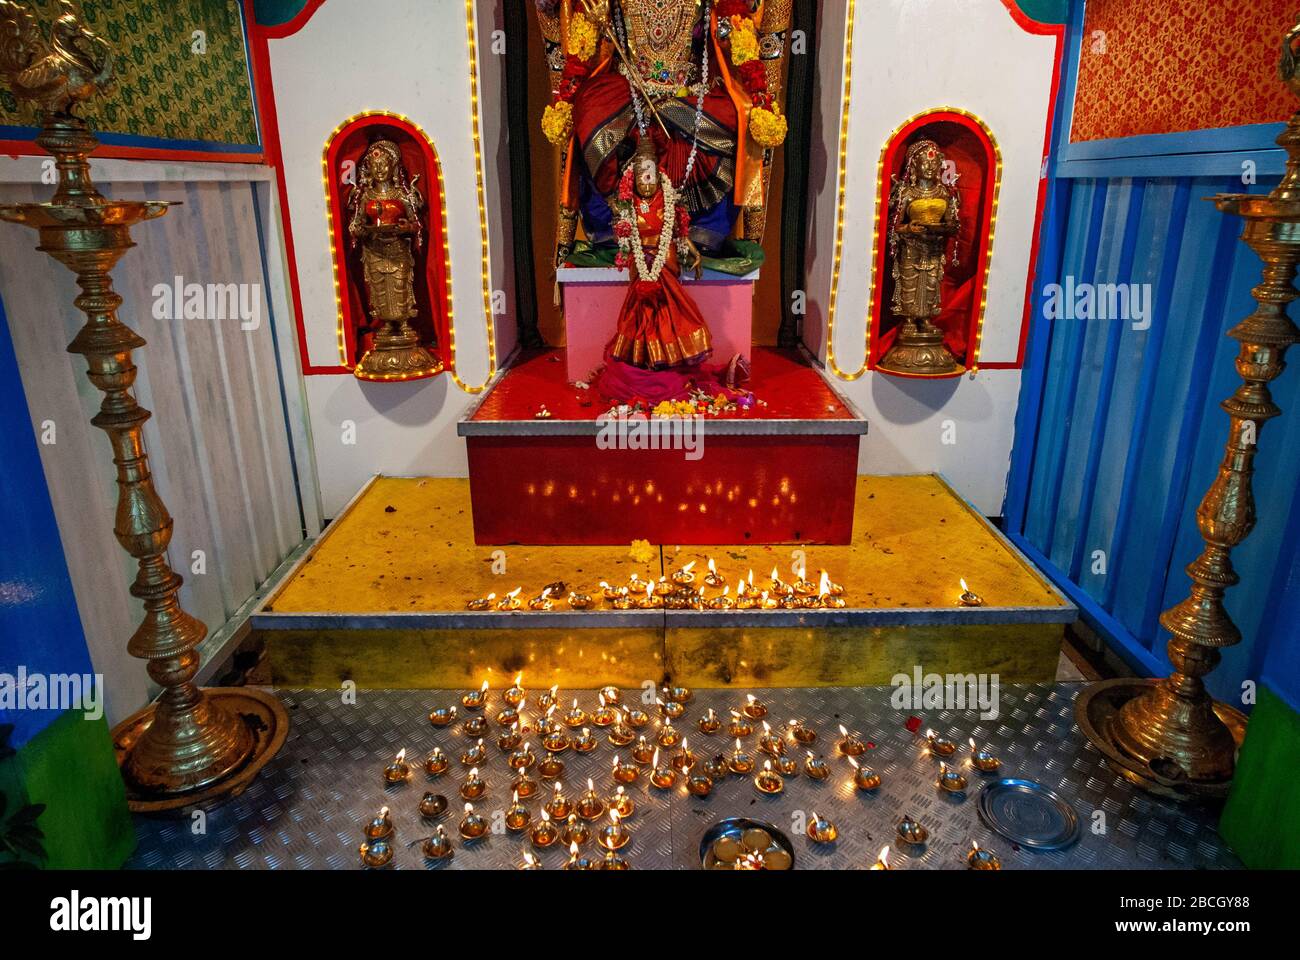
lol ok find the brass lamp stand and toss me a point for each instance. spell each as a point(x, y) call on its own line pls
point(191, 746)
point(1170, 736)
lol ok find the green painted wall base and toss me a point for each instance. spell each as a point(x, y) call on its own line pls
point(69, 766)
point(1263, 809)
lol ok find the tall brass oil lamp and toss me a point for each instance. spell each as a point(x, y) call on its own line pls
point(191, 746)
point(1170, 736)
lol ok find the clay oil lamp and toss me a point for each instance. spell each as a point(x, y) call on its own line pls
point(821, 830)
point(740, 725)
point(555, 741)
point(670, 709)
point(612, 694)
point(791, 602)
point(523, 758)
point(620, 734)
point(530, 862)
point(771, 743)
point(590, 805)
point(911, 832)
point(517, 816)
point(939, 746)
point(803, 587)
point(777, 586)
point(969, 598)
point(580, 601)
point(683, 577)
point(663, 588)
point(850, 745)
point(576, 831)
point(950, 779)
point(551, 767)
point(716, 768)
point(515, 694)
point(815, 767)
point(625, 771)
point(635, 584)
point(699, 785)
point(768, 602)
point(575, 716)
point(613, 835)
point(605, 715)
point(882, 860)
point(510, 738)
point(833, 589)
point(577, 861)
point(685, 760)
point(474, 785)
point(442, 716)
point(786, 765)
point(438, 846)
point(609, 592)
point(548, 699)
point(475, 727)
point(754, 708)
point(524, 785)
point(436, 763)
point(612, 861)
point(768, 780)
point(509, 717)
point(558, 805)
point(710, 723)
point(802, 733)
point(981, 859)
point(747, 589)
point(983, 760)
point(623, 601)
point(636, 718)
point(381, 827)
point(668, 735)
point(376, 853)
point(649, 600)
point(474, 756)
point(740, 762)
point(622, 802)
point(643, 750)
point(722, 601)
point(432, 806)
point(542, 601)
point(744, 600)
point(662, 776)
point(472, 826)
point(864, 778)
point(825, 595)
point(481, 603)
point(585, 742)
point(544, 832)
point(511, 600)
point(399, 771)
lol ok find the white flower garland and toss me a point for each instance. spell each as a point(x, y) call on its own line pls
point(628, 215)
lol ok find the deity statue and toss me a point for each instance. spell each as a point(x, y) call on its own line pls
point(697, 78)
point(924, 216)
point(385, 222)
point(659, 326)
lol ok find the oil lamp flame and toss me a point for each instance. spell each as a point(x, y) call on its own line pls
point(514, 593)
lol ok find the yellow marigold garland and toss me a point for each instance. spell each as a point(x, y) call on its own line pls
point(557, 122)
point(582, 37)
point(744, 40)
point(767, 127)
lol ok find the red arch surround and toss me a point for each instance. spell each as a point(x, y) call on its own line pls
point(970, 144)
point(343, 152)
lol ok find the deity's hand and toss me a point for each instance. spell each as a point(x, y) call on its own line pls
point(597, 11)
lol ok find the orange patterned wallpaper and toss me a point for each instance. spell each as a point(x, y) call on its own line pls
point(1166, 66)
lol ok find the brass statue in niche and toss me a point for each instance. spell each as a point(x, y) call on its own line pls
point(385, 222)
point(924, 215)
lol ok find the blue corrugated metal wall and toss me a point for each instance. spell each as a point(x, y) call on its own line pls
point(1119, 431)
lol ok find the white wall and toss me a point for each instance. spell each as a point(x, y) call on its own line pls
point(910, 56)
point(409, 57)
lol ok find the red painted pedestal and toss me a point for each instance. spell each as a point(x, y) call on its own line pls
point(782, 472)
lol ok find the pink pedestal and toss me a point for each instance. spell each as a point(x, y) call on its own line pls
point(594, 295)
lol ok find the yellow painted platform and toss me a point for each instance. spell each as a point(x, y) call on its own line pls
point(380, 600)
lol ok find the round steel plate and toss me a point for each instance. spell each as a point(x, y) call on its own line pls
point(734, 827)
point(1028, 813)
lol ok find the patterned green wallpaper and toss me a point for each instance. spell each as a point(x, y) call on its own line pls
point(165, 88)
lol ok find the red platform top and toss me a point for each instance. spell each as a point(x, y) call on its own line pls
point(787, 386)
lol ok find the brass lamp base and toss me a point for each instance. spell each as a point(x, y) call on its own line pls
point(247, 715)
point(919, 352)
point(1172, 741)
point(397, 355)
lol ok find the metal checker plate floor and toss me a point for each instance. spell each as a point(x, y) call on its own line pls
point(306, 808)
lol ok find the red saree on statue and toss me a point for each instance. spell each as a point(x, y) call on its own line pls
point(659, 325)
